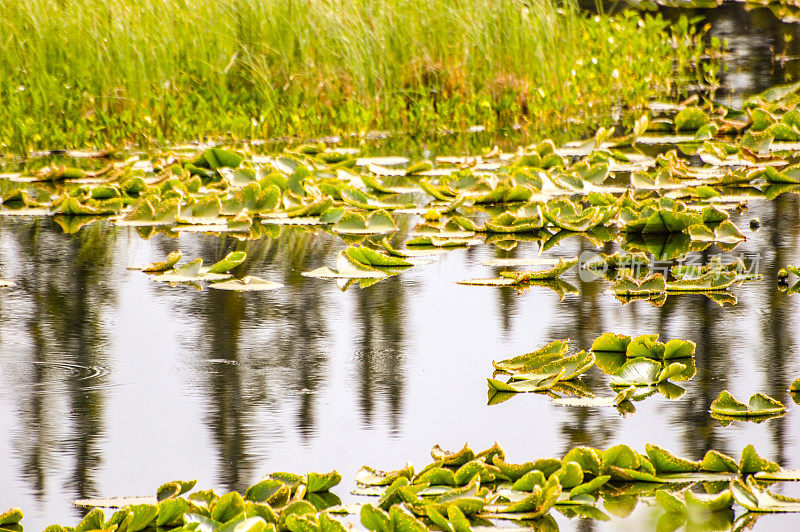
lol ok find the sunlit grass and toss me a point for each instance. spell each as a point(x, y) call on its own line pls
point(87, 72)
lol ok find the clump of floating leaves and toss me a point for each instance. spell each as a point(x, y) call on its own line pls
point(635, 368)
point(678, 182)
point(464, 489)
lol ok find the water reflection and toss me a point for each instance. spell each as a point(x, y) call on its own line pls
point(381, 350)
point(62, 323)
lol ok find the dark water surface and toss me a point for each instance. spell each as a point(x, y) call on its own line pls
point(111, 384)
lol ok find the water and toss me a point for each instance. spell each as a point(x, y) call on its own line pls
point(111, 384)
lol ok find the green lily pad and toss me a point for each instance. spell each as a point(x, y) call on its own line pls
point(611, 343)
point(555, 350)
point(708, 282)
point(11, 517)
point(346, 268)
point(628, 286)
point(189, 272)
point(246, 284)
point(644, 372)
point(231, 260)
point(316, 482)
point(757, 499)
point(550, 273)
point(759, 405)
point(751, 462)
point(716, 461)
point(666, 462)
point(690, 118)
point(353, 223)
point(172, 259)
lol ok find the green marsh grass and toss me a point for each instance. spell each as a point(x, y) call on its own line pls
point(87, 72)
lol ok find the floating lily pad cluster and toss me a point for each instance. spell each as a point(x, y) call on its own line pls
point(459, 491)
point(193, 272)
point(760, 407)
point(636, 368)
point(673, 185)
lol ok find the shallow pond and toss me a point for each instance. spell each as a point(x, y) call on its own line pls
point(111, 384)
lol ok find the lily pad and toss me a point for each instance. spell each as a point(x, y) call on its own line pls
point(353, 223)
point(246, 284)
point(189, 272)
point(757, 499)
point(611, 343)
point(759, 405)
point(628, 286)
point(172, 259)
point(347, 268)
point(709, 282)
point(644, 372)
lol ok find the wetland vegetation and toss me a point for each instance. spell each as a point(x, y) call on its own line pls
point(89, 72)
point(619, 276)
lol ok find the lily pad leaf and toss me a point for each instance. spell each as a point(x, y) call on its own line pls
point(691, 118)
point(666, 462)
point(247, 283)
point(227, 507)
point(751, 462)
point(590, 460)
point(589, 487)
point(231, 260)
point(757, 499)
point(706, 282)
point(11, 517)
point(370, 257)
point(781, 475)
point(169, 263)
point(550, 273)
point(378, 221)
point(173, 489)
point(347, 268)
point(646, 346)
point(216, 158)
point(628, 286)
point(368, 476)
point(676, 348)
point(759, 405)
point(670, 502)
point(612, 343)
point(188, 271)
point(718, 462)
point(316, 482)
point(644, 372)
point(637, 372)
point(524, 363)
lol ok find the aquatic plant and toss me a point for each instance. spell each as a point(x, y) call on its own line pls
point(456, 491)
point(758, 405)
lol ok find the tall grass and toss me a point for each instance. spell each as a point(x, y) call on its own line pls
point(78, 72)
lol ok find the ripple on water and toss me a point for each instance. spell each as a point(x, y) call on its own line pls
point(53, 376)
